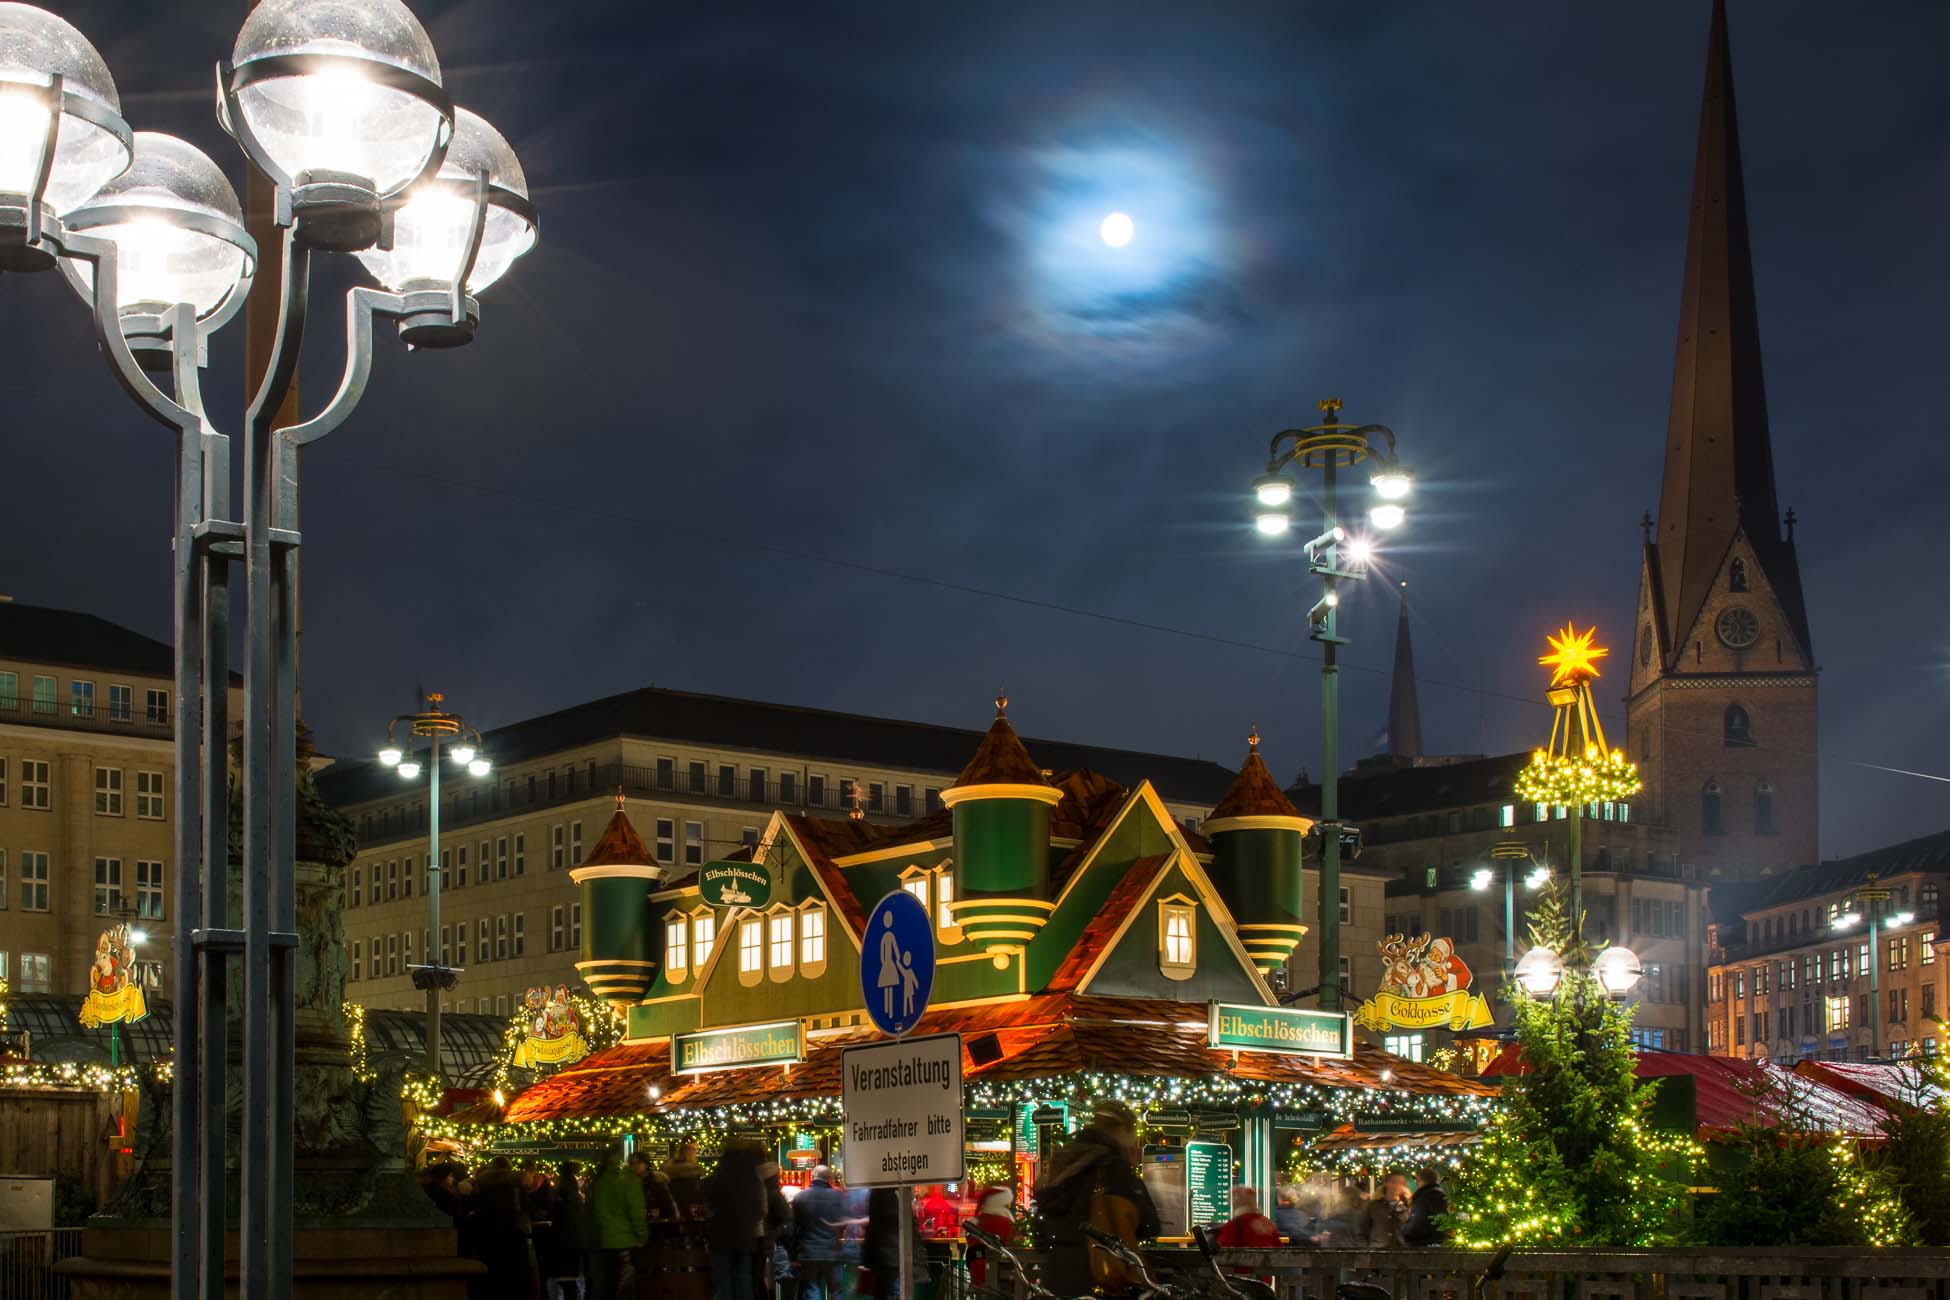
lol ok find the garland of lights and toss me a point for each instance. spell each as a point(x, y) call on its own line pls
point(1572, 780)
point(355, 1024)
point(1878, 1207)
point(601, 1026)
point(82, 1077)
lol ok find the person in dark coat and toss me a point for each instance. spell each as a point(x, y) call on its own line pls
point(686, 1179)
point(734, 1198)
point(817, 1213)
point(443, 1191)
point(558, 1252)
point(774, 1264)
point(504, 1230)
point(880, 1250)
point(1430, 1200)
point(1104, 1154)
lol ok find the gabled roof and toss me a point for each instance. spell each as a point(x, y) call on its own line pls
point(1393, 791)
point(1001, 759)
point(1254, 792)
point(1102, 928)
point(806, 834)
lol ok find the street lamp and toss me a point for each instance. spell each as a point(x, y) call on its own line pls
point(1616, 969)
point(436, 725)
point(1330, 447)
point(339, 103)
point(1510, 853)
point(1873, 894)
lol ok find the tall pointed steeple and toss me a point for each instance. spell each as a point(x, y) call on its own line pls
point(1719, 470)
point(1404, 710)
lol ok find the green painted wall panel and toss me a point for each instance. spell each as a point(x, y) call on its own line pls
point(1138, 835)
point(616, 920)
point(1258, 874)
point(1131, 969)
point(1002, 847)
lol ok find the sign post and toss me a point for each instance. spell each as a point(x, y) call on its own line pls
point(902, 1100)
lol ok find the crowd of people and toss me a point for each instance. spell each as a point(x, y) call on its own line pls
point(628, 1229)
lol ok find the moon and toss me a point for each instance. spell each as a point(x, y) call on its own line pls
point(1117, 230)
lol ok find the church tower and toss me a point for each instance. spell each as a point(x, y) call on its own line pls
point(1721, 711)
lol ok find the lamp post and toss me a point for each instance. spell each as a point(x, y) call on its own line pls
point(1331, 447)
point(1874, 895)
point(435, 976)
point(1510, 853)
point(340, 106)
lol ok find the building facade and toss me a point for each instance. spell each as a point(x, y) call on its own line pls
point(87, 820)
point(1721, 714)
point(700, 777)
point(1792, 978)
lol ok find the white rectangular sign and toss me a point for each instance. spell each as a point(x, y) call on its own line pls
point(903, 1108)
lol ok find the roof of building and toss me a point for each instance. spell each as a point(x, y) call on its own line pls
point(727, 722)
point(40, 634)
point(1057, 1036)
point(1369, 793)
point(1001, 759)
point(1924, 853)
point(619, 845)
point(1254, 792)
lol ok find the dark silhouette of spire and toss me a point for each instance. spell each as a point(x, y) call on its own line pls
point(1719, 471)
point(1404, 711)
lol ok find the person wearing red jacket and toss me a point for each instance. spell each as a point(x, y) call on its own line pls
point(992, 1215)
point(1247, 1229)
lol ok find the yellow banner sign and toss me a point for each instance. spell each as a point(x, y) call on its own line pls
point(125, 1004)
point(1458, 1010)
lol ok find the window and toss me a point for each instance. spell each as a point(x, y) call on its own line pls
point(1177, 951)
point(1763, 809)
point(149, 890)
point(357, 964)
point(666, 840)
point(446, 944)
point(1739, 984)
point(108, 885)
point(108, 792)
point(704, 932)
point(501, 937)
point(481, 948)
point(1406, 1046)
point(557, 927)
point(486, 860)
point(501, 857)
point(751, 951)
point(81, 699)
point(406, 948)
point(1929, 1002)
point(9, 697)
point(35, 786)
point(575, 925)
point(1899, 953)
point(378, 959)
point(406, 877)
point(392, 954)
point(1898, 1006)
point(1709, 809)
point(43, 694)
point(849, 791)
point(693, 844)
point(812, 939)
point(1737, 730)
point(931, 798)
point(944, 898)
point(1459, 923)
point(788, 788)
point(676, 947)
point(1737, 576)
point(1347, 905)
point(748, 836)
point(1345, 978)
point(519, 937)
point(460, 867)
point(915, 881)
point(1506, 816)
point(779, 927)
point(1838, 1008)
point(521, 854)
point(1540, 812)
point(575, 843)
point(500, 1004)
point(148, 795)
point(816, 791)
point(119, 703)
point(696, 774)
point(1926, 948)
point(3, 783)
point(392, 880)
point(557, 847)
point(36, 972)
point(755, 785)
point(1739, 1031)
point(904, 800)
point(876, 797)
point(156, 706)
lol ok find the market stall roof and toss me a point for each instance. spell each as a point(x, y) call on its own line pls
point(1346, 1139)
point(1045, 1036)
point(1729, 1092)
point(1891, 1087)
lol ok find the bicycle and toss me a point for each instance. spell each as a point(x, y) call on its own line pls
point(1241, 1287)
point(998, 1254)
point(1477, 1288)
point(1149, 1288)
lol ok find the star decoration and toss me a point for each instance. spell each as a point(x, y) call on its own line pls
point(1573, 659)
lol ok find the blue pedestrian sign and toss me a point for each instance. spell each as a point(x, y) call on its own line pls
point(897, 962)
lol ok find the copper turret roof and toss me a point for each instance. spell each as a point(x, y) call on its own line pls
point(1255, 793)
point(620, 845)
point(1001, 759)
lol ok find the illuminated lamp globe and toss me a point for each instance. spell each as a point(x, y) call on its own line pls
point(1539, 971)
point(1391, 482)
point(463, 753)
point(479, 767)
point(409, 769)
point(1479, 879)
point(1617, 970)
point(35, 45)
point(1272, 490)
point(1272, 523)
point(430, 232)
point(1538, 878)
point(349, 118)
point(1386, 514)
point(1902, 918)
point(138, 937)
point(390, 756)
point(178, 232)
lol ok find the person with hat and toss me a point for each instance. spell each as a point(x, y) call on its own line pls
point(1094, 1174)
point(993, 1215)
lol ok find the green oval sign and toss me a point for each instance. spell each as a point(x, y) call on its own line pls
point(734, 884)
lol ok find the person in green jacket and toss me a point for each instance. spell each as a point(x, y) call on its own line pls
point(616, 1208)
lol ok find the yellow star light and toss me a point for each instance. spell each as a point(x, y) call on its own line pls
point(1573, 659)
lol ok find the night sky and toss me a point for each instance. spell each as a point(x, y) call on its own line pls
point(821, 388)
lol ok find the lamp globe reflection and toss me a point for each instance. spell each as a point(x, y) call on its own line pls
point(433, 230)
point(91, 144)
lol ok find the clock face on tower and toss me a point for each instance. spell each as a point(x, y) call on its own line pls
point(1737, 628)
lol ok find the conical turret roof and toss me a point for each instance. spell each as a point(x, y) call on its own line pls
point(619, 844)
point(1254, 793)
point(1000, 759)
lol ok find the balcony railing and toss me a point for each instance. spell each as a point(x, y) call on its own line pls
point(485, 801)
point(153, 724)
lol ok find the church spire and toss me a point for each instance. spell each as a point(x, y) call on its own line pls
point(1719, 471)
point(1404, 711)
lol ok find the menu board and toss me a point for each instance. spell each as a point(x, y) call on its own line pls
point(1208, 1182)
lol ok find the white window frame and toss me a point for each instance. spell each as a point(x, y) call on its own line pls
point(575, 843)
point(1177, 952)
point(575, 926)
point(121, 702)
point(149, 889)
point(521, 853)
point(501, 937)
point(751, 950)
point(155, 706)
point(150, 804)
point(693, 844)
point(677, 947)
point(812, 939)
point(35, 881)
point(557, 847)
point(780, 944)
point(112, 869)
point(558, 927)
point(704, 936)
point(666, 839)
point(36, 784)
point(518, 935)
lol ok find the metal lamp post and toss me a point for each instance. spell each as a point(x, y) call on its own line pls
point(1330, 448)
point(1510, 853)
point(1874, 895)
point(435, 976)
point(340, 106)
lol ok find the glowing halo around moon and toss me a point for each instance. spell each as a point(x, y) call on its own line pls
point(1117, 230)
